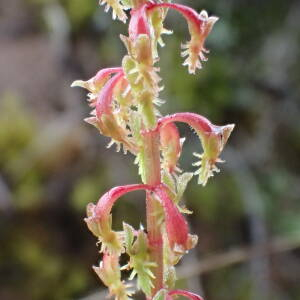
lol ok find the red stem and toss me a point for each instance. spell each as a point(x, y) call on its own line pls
point(152, 168)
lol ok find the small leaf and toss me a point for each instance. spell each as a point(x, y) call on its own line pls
point(140, 246)
point(141, 264)
point(171, 277)
point(182, 182)
point(129, 236)
point(169, 181)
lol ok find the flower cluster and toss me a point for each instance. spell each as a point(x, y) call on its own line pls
point(124, 102)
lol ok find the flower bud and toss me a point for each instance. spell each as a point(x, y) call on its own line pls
point(156, 18)
point(199, 25)
point(140, 72)
point(101, 228)
point(106, 121)
point(110, 274)
point(213, 139)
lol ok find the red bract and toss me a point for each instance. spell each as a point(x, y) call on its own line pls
point(176, 225)
point(106, 202)
point(185, 294)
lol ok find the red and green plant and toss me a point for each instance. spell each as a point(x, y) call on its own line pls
point(124, 102)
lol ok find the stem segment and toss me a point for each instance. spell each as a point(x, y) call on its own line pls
point(152, 167)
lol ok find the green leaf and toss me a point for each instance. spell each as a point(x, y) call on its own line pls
point(182, 182)
point(140, 263)
point(129, 236)
point(140, 246)
point(169, 181)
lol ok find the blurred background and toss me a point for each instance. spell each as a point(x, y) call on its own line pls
point(52, 164)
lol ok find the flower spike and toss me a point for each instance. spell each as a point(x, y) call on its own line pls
point(123, 102)
point(199, 25)
point(213, 139)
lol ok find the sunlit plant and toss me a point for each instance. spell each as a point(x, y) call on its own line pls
point(124, 102)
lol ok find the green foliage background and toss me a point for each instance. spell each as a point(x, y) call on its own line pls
point(52, 163)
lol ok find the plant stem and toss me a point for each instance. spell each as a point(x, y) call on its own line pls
point(152, 177)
